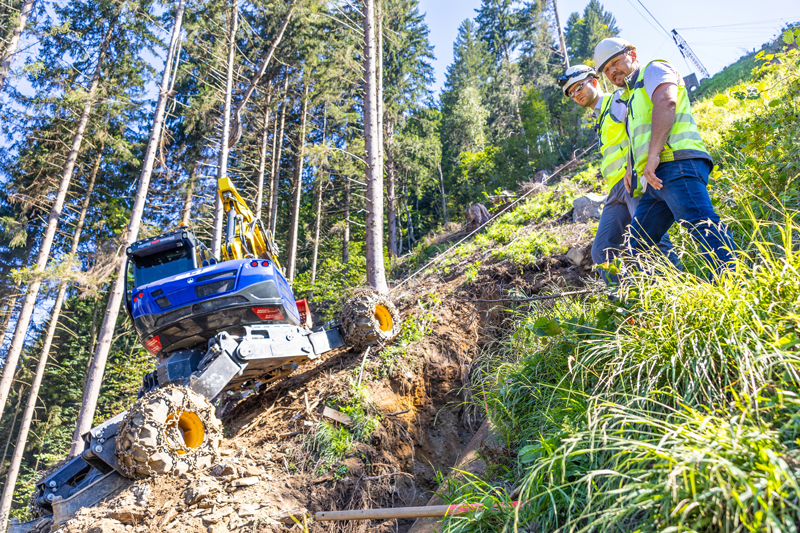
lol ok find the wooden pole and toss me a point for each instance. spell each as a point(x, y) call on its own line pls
point(398, 512)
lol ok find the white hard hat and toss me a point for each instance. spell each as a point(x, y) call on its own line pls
point(573, 75)
point(608, 49)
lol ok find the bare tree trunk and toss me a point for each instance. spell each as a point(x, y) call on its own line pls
point(237, 119)
point(441, 189)
point(561, 42)
point(13, 43)
point(24, 318)
point(222, 165)
point(376, 274)
point(11, 430)
point(379, 78)
point(294, 229)
point(277, 144)
point(186, 212)
point(391, 200)
point(262, 156)
point(346, 235)
point(409, 223)
point(33, 396)
point(95, 379)
point(317, 227)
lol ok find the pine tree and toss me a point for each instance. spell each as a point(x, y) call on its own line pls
point(582, 33)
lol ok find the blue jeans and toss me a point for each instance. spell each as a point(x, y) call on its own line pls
point(683, 198)
point(614, 221)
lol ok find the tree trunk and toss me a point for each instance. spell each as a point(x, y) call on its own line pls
point(11, 430)
point(237, 118)
point(262, 156)
point(13, 43)
point(95, 379)
point(317, 227)
point(10, 306)
point(391, 200)
point(409, 223)
point(561, 42)
point(222, 165)
point(25, 426)
point(346, 234)
point(291, 260)
point(441, 189)
point(277, 144)
point(376, 275)
point(186, 212)
point(24, 318)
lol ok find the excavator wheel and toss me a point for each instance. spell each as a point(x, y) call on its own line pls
point(368, 319)
point(170, 430)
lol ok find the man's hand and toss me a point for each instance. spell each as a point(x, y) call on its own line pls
point(627, 180)
point(649, 173)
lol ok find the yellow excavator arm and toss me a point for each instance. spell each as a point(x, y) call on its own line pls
point(245, 235)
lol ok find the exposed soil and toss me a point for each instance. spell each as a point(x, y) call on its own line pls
point(267, 473)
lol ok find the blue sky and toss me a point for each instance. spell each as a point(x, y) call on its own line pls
point(748, 25)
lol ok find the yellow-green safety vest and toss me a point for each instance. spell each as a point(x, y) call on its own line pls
point(684, 141)
point(613, 143)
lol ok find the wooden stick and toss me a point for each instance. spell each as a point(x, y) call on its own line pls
point(398, 512)
point(363, 361)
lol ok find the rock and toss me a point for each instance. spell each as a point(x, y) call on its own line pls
point(580, 256)
point(223, 469)
point(249, 510)
point(587, 207)
point(213, 518)
point(285, 517)
point(253, 470)
point(142, 494)
point(200, 489)
point(106, 525)
point(168, 517)
point(126, 516)
point(477, 215)
point(541, 176)
point(245, 481)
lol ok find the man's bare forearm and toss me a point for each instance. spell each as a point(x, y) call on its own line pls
point(665, 99)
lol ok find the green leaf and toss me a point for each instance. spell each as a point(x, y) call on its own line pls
point(529, 454)
point(774, 103)
point(553, 328)
point(788, 37)
point(541, 322)
point(788, 341)
point(720, 100)
point(760, 54)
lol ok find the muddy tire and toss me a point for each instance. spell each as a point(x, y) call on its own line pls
point(369, 319)
point(170, 430)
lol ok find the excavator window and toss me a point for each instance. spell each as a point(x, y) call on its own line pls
point(150, 268)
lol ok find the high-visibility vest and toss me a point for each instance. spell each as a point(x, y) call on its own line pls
point(613, 142)
point(684, 141)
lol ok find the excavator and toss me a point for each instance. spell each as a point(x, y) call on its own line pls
point(215, 325)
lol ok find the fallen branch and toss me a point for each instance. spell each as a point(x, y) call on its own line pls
point(399, 512)
point(535, 298)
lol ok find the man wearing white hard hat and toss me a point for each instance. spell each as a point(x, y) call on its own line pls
point(580, 83)
point(668, 160)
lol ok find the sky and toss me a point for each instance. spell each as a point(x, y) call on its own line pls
point(719, 31)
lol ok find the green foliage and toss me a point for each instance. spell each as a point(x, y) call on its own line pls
point(582, 33)
point(675, 406)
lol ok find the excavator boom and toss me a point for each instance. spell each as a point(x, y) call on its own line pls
point(245, 235)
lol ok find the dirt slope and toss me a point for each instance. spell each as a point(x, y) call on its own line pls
point(267, 471)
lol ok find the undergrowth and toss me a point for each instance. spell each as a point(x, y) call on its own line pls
point(676, 406)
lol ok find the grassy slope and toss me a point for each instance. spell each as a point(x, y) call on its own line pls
point(677, 407)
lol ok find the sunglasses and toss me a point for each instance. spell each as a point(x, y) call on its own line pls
point(576, 89)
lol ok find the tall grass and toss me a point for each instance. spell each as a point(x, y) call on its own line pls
point(676, 406)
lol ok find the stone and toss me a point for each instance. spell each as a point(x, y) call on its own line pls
point(126, 516)
point(249, 510)
point(213, 518)
point(202, 488)
point(541, 176)
point(586, 207)
point(285, 517)
point(168, 517)
point(245, 481)
point(477, 215)
point(106, 525)
point(580, 256)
